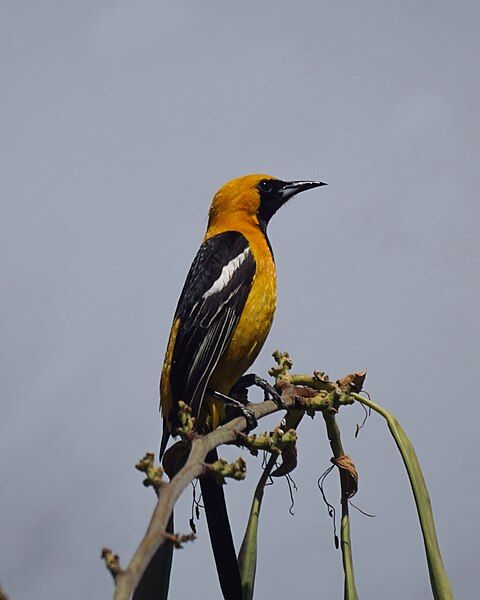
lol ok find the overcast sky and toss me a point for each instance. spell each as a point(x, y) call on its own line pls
point(119, 122)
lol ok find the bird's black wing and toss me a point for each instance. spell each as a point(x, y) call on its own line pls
point(209, 309)
point(210, 306)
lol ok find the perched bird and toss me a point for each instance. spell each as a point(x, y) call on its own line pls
point(221, 322)
point(227, 304)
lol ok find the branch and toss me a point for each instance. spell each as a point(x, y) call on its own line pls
point(127, 580)
point(340, 391)
point(308, 399)
point(273, 442)
point(300, 394)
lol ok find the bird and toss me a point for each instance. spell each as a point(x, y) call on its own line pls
point(221, 322)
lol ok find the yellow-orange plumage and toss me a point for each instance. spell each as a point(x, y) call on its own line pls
point(243, 206)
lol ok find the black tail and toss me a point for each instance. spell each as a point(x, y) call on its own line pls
point(221, 535)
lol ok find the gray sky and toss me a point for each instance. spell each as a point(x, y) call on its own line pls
point(120, 120)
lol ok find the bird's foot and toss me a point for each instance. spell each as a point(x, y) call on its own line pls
point(248, 414)
point(249, 380)
point(250, 418)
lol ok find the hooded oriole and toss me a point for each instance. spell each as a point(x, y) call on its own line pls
point(228, 301)
point(222, 319)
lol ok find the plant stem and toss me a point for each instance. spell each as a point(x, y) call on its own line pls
point(438, 577)
point(333, 432)
point(247, 557)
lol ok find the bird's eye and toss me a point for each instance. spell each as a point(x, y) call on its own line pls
point(265, 185)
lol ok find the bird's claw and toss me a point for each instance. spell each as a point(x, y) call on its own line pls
point(270, 393)
point(247, 413)
point(250, 418)
point(278, 401)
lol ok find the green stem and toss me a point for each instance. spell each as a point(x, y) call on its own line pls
point(438, 577)
point(333, 432)
point(247, 558)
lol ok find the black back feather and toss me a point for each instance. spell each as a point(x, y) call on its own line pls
point(208, 315)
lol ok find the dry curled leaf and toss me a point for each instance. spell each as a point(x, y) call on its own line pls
point(289, 462)
point(353, 382)
point(345, 463)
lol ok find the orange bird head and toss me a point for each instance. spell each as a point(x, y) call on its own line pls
point(254, 197)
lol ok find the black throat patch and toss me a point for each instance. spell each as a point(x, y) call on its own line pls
point(270, 201)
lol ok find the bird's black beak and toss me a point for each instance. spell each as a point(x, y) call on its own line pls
point(290, 188)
